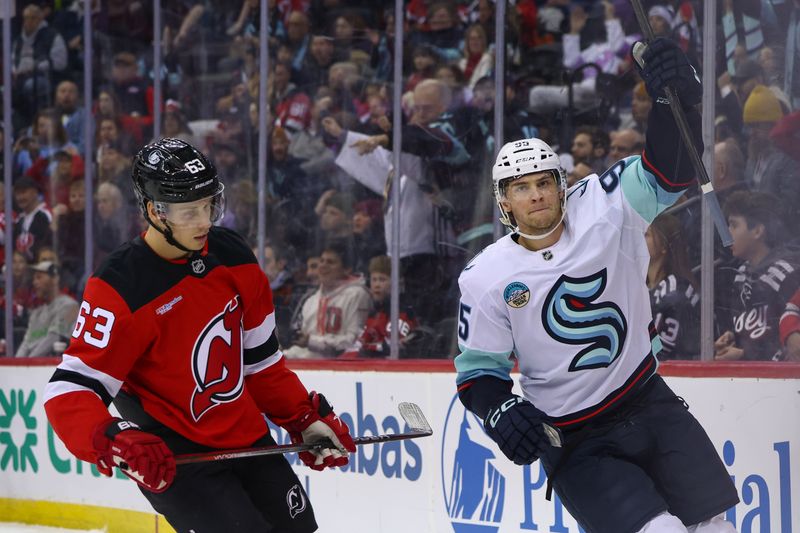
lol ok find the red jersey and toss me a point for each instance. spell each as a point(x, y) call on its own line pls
point(193, 340)
point(293, 111)
point(790, 319)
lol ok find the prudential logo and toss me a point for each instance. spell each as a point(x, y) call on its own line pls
point(473, 487)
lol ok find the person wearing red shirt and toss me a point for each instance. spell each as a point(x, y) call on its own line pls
point(177, 328)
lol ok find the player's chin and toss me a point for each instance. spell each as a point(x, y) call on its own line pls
point(195, 245)
point(543, 220)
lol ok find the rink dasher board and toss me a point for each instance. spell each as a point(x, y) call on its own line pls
point(454, 481)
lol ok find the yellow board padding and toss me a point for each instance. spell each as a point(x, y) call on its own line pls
point(75, 516)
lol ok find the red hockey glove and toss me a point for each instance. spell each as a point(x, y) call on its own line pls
point(149, 462)
point(324, 425)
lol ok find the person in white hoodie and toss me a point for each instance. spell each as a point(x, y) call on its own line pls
point(332, 317)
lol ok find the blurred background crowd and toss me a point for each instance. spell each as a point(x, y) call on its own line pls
point(568, 80)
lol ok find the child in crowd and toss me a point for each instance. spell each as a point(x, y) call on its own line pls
point(376, 335)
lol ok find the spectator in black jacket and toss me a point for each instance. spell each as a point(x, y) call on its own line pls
point(32, 228)
point(291, 189)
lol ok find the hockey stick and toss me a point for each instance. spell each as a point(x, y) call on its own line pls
point(410, 412)
point(706, 186)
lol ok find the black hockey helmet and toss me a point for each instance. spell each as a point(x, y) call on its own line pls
point(173, 171)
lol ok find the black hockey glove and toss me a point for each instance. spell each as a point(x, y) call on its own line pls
point(521, 430)
point(665, 64)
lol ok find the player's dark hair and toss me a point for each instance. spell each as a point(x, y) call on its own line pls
point(755, 208)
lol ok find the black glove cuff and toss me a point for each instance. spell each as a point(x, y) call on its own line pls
point(117, 426)
point(325, 408)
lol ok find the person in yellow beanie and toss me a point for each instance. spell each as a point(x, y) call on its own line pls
point(762, 106)
point(769, 168)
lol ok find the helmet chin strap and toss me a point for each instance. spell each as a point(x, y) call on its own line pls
point(516, 230)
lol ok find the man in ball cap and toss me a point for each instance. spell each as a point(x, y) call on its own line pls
point(52, 321)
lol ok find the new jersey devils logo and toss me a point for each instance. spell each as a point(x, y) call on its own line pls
point(296, 501)
point(217, 361)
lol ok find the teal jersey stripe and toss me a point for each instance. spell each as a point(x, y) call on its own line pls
point(471, 364)
point(656, 345)
point(642, 191)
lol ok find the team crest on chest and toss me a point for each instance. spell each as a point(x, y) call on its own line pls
point(572, 314)
point(217, 361)
point(517, 294)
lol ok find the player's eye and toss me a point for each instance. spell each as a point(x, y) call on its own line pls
point(189, 214)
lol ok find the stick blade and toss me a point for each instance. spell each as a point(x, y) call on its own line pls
point(638, 51)
point(412, 415)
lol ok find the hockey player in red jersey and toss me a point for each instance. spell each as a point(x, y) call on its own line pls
point(177, 328)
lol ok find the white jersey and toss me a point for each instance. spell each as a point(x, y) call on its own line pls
point(576, 315)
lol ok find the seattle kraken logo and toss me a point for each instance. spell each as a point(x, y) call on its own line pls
point(473, 486)
point(570, 316)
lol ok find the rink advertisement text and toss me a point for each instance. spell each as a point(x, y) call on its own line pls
point(455, 481)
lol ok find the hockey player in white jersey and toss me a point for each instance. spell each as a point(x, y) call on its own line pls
point(565, 296)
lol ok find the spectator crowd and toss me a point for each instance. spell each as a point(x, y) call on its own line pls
point(568, 80)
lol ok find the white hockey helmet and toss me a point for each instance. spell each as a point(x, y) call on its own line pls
point(519, 158)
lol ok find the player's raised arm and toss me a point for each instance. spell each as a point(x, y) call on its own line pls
point(665, 64)
point(653, 182)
